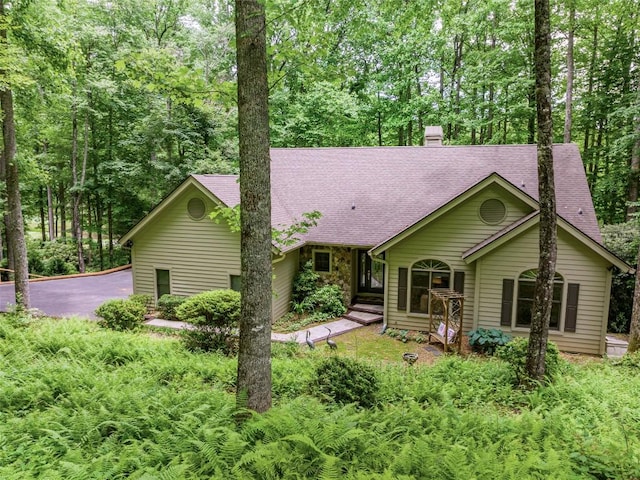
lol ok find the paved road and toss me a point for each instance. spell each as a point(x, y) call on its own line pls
point(72, 296)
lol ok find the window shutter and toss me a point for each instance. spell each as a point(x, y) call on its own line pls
point(458, 282)
point(507, 302)
point(571, 315)
point(402, 288)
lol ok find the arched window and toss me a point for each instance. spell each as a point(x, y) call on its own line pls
point(526, 293)
point(427, 274)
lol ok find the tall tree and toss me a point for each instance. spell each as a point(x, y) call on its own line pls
point(634, 337)
point(543, 298)
point(9, 167)
point(254, 356)
point(568, 109)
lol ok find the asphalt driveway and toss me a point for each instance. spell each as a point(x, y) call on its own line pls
point(77, 296)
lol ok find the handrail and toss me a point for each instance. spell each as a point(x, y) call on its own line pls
point(13, 271)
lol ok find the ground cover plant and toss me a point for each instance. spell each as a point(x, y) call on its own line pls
point(78, 401)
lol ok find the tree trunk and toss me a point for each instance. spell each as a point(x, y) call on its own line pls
point(110, 230)
point(634, 335)
point(254, 356)
point(41, 202)
point(634, 174)
point(568, 108)
point(15, 224)
point(62, 202)
point(543, 296)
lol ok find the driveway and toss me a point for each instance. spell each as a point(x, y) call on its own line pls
point(76, 296)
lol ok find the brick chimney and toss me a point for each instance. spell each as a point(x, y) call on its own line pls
point(433, 136)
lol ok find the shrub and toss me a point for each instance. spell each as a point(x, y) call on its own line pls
point(214, 316)
point(344, 380)
point(119, 314)
point(142, 299)
point(168, 304)
point(305, 283)
point(328, 300)
point(515, 353)
point(486, 340)
point(623, 240)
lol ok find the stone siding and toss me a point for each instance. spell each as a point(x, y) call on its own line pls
point(341, 266)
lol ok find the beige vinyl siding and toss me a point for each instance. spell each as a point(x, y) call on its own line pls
point(445, 239)
point(576, 263)
point(284, 271)
point(200, 255)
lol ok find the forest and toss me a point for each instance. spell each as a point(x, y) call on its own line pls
point(116, 102)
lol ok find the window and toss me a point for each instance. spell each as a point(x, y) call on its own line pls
point(427, 274)
point(163, 283)
point(322, 261)
point(526, 293)
point(235, 282)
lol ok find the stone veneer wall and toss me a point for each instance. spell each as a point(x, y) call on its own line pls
point(340, 267)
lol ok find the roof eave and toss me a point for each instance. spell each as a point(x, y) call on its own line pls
point(155, 211)
point(448, 206)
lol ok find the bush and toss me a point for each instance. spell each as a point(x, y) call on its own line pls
point(118, 314)
point(142, 299)
point(486, 340)
point(168, 304)
point(344, 380)
point(622, 239)
point(328, 300)
point(214, 316)
point(305, 283)
point(515, 353)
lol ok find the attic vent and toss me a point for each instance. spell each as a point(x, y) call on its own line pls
point(492, 211)
point(196, 208)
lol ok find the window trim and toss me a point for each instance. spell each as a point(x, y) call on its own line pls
point(451, 273)
point(234, 274)
point(562, 308)
point(313, 258)
point(155, 279)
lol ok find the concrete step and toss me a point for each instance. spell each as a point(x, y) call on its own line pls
point(367, 307)
point(364, 318)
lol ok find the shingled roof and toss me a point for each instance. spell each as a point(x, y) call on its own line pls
point(368, 195)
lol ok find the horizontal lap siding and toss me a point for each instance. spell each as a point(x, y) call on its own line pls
point(284, 271)
point(576, 263)
point(200, 254)
point(446, 239)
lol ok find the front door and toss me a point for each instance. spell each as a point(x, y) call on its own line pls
point(370, 274)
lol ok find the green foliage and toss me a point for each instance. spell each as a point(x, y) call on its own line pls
point(119, 314)
point(142, 299)
point(168, 304)
point(407, 335)
point(515, 353)
point(214, 316)
point(622, 239)
point(344, 380)
point(485, 341)
point(327, 300)
point(82, 402)
point(52, 258)
point(305, 283)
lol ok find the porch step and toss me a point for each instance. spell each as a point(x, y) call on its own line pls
point(367, 307)
point(364, 318)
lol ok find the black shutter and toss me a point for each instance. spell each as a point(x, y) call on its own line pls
point(402, 288)
point(507, 302)
point(458, 282)
point(571, 315)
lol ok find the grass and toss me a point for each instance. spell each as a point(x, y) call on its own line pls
point(79, 402)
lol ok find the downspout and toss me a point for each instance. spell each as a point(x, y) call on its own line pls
point(386, 291)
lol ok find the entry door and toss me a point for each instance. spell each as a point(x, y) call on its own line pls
point(370, 274)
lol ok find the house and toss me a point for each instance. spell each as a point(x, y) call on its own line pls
point(397, 222)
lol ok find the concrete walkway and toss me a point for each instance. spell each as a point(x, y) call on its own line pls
point(317, 333)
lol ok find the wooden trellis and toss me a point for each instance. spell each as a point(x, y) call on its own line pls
point(445, 319)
